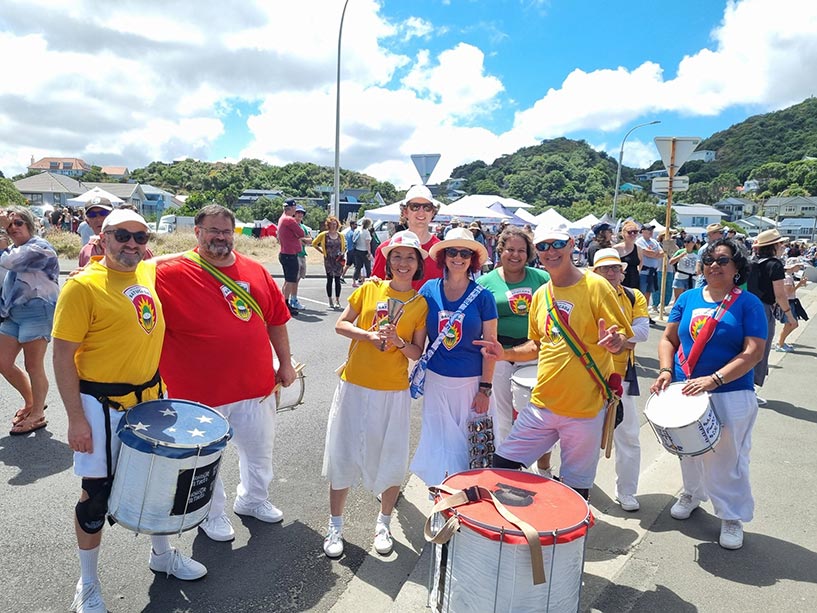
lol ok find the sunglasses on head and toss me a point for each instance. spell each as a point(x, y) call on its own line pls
point(557, 244)
point(97, 213)
point(453, 252)
point(723, 260)
point(123, 236)
point(416, 206)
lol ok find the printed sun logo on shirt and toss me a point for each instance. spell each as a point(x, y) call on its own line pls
point(144, 304)
point(699, 317)
point(454, 334)
point(519, 300)
point(552, 329)
point(238, 307)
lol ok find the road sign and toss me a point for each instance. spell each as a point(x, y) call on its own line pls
point(679, 184)
point(425, 164)
point(684, 146)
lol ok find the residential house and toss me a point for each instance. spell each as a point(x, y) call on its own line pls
point(249, 196)
point(49, 188)
point(630, 187)
point(755, 224)
point(735, 208)
point(780, 207)
point(652, 174)
point(70, 167)
point(156, 200)
point(131, 193)
point(695, 217)
point(751, 185)
point(798, 228)
point(117, 172)
point(703, 155)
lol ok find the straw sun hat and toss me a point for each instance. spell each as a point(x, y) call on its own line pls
point(462, 238)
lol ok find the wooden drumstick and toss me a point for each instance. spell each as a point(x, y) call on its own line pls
point(609, 427)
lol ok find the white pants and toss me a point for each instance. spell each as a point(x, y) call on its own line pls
point(536, 431)
point(502, 403)
point(627, 448)
point(722, 474)
point(253, 423)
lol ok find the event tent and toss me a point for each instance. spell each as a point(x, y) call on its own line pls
point(513, 218)
point(551, 218)
point(82, 199)
point(527, 216)
point(584, 224)
point(487, 200)
point(469, 211)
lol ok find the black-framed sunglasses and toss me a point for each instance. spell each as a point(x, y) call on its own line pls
point(723, 260)
point(557, 244)
point(632, 232)
point(19, 223)
point(453, 252)
point(97, 213)
point(416, 206)
point(123, 236)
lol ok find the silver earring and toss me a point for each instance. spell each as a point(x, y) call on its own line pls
point(735, 278)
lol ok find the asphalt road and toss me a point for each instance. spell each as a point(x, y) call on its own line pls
point(639, 562)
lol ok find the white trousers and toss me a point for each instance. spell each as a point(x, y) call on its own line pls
point(627, 448)
point(722, 474)
point(253, 423)
point(502, 401)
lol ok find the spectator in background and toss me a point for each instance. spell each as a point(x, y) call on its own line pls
point(602, 237)
point(290, 237)
point(686, 263)
point(306, 240)
point(96, 212)
point(656, 297)
point(332, 245)
point(362, 240)
point(791, 285)
point(652, 255)
point(630, 254)
point(714, 231)
point(350, 249)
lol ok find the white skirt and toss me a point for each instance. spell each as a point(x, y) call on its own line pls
point(367, 438)
point(443, 446)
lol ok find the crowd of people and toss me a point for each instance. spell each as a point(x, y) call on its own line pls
point(129, 327)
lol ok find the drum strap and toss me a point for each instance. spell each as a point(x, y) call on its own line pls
point(476, 493)
point(706, 332)
point(234, 287)
point(103, 393)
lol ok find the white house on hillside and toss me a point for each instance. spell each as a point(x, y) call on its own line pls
point(695, 217)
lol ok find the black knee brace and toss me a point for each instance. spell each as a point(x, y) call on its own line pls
point(91, 512)
point(500, 462)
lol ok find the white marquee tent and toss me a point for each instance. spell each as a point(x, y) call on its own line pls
point(82, 199)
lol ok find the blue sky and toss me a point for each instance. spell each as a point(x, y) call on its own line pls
point(129, 83)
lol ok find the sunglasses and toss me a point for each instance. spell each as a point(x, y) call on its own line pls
point(557, 244)
point(99, 213)
point(19, 223)
point(416, 206)
point(453, 252)
point(123, 236)
point(723, 260)
point(632, 232)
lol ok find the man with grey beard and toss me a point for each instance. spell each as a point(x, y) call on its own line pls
point(224, 316)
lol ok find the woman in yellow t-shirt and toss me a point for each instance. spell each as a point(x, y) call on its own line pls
point(367, 437)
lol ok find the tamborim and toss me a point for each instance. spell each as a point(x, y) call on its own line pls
point(289, 398)
point(684, 425)
point(168, 464)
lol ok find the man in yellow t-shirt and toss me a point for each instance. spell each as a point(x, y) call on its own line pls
point(566, 404)
point(108, 331)
point(608, 264)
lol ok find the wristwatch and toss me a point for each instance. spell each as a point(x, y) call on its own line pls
point(486, 388)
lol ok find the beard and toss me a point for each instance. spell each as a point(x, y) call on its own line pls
point(218, 249)
point(128, 260)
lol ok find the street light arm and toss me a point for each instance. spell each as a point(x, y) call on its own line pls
point(621, 158)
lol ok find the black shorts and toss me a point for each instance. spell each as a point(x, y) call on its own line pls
point(289, 262)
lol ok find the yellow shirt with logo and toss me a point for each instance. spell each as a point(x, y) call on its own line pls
point(116, 317)
point(631, 313)
point(367, 366)
point(563, 384)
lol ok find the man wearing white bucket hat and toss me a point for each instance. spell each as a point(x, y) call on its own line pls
point(108, 327)
point(566, 404)
point(608, 264)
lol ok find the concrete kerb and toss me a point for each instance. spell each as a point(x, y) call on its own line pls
point(69, 265)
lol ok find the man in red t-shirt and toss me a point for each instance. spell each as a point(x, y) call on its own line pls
point(291, 238)
point(218, 351)
point(416, 211)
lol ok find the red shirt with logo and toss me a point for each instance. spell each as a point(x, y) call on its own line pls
point(216, 349)
point(430, 268)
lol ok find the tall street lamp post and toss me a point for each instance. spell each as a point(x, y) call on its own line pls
point(621, 156)
point(335, 208)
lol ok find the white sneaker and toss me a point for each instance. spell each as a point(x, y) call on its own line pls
point(684, 507)
point(383, 543)
point(88, 598)
point(179, 565)
point(265, 511)
point(628, 502)
point(731, 534)
point(333, 543)
point(218, 528)
point(761, 402)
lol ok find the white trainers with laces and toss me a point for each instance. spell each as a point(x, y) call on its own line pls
point(684, 507)
point(88, 598)
point(333, 543)
point(265, 511)
point(628, 502)
point(218, 528)
point(383, 543)
point(179, 565)
point(731, 534)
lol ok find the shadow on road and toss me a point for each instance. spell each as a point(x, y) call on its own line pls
point(37, 456)
point(616, 598)
point(790, 410)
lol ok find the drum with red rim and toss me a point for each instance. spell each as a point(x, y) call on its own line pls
point(486, 566)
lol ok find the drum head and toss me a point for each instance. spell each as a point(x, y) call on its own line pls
point(547, 505)
point(671, 409)
point(525, 376)
point(179, 424)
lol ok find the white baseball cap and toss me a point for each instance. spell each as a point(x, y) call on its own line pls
point(120, 216)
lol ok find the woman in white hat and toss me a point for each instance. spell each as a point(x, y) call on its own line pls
point(458, 379)
point(367, 436)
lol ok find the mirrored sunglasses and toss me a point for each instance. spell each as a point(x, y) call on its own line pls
point(557, 244)
point(416, 206)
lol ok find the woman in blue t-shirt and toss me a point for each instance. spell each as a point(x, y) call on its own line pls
point(458, 378)
point(724, 369)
